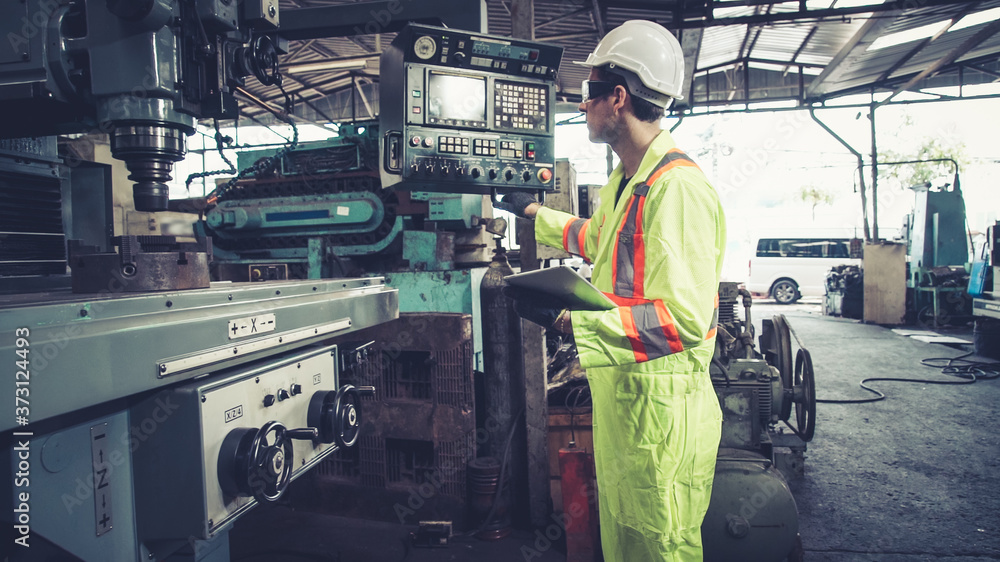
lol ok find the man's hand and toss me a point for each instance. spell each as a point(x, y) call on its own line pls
point(541, 309)
point(517, 202)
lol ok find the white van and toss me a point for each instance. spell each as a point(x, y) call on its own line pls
point(789, 267)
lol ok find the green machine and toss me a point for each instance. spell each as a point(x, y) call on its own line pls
point(937, 251)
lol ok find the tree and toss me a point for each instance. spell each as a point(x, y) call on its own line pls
point(814, 196)
point(929, 150)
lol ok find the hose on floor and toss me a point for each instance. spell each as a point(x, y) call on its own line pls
point(967, 370)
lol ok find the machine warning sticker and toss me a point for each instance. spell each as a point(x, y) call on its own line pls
point(317, 379)
point(251, 325)
point(234, 413)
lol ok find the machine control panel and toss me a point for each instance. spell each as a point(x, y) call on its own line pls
point(467, 113)
point(254, 431)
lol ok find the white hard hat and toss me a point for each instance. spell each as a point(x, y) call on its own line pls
point(650, 53)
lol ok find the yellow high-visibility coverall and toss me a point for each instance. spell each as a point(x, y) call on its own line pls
point(657, 422)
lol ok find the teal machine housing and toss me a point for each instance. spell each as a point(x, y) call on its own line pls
point(119, 376)
point(119, 350)
point(937, 251)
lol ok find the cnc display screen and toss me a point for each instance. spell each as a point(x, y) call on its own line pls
point(456, 100)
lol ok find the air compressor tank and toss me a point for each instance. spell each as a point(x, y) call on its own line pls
point(752, 515)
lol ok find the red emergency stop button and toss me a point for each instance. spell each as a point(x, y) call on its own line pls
point(545, 175)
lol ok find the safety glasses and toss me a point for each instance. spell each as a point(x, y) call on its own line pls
point(593, 89)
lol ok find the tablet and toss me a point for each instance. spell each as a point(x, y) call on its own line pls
point(565, 283)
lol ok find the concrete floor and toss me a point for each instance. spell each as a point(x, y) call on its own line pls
point(915, 477)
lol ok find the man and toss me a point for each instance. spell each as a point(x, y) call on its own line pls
point(656, 242)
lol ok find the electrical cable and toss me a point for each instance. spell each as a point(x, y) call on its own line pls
point(220, 141)
point(969, 371)
point(265, 164)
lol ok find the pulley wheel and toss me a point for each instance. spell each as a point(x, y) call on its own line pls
point(783, 351)
point(805, 395)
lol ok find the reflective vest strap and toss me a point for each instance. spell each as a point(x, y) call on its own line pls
point(674, 158)
point(575, 236)
point(629, 260)
point(628, 264)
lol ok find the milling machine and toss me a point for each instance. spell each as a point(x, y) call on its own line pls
point(152, 405)
point(149, 407)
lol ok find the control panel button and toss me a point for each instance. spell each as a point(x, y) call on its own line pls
point(296, 389)
point(428, 142)
point(269, 400)
point(545, 175)
point(415, 141)
point(283, 394)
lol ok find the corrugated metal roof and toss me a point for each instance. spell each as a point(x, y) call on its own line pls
point(748, 50)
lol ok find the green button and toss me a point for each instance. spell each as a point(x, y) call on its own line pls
point(416, 93)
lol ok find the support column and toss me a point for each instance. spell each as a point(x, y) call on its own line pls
point(522, 13)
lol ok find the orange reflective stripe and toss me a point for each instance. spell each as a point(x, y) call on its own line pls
point(628, 323)
point(628, 245)
point(639, 266)
point(674, 158)
point(574, 235)
point(582, 240)
point(668, 326)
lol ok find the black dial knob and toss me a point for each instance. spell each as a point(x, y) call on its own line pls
point(526, 175)
point(493, 173)
point(458, 57)
point(508, 174)
point(476, 172)
point(283, 394)
point(268, 400)
point(296, 389)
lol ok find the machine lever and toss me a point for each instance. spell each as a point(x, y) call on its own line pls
point(304, 434)
point(366, 390)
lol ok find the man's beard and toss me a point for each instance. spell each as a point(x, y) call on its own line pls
point(609, 130)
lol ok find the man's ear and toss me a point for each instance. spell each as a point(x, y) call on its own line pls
point(618, 97)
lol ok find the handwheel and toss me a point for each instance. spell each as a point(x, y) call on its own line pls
point(783, 352)
point(348, 416)
point(337, 415)
point(805, 395)
point(252, 464)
